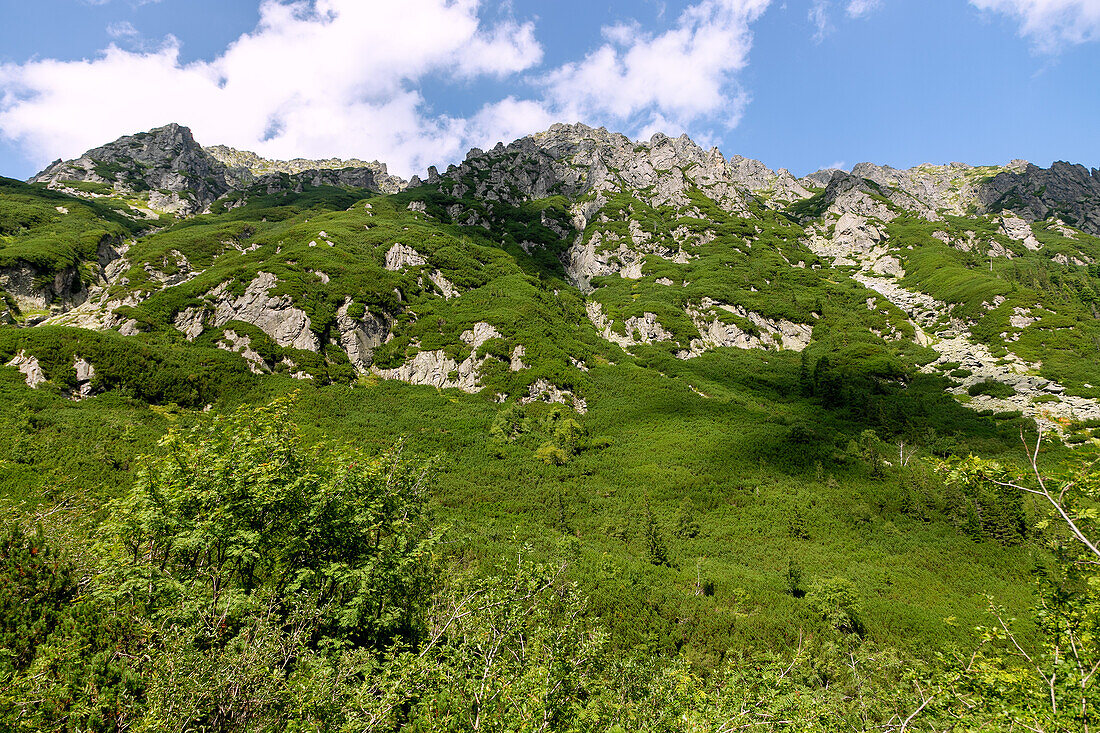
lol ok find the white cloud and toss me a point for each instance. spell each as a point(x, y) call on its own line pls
point(1050, 24)
point(506, 120)
point(121, 29)
point(861, 8)
point(819, 18)
point(820, 15)
point(343, 78)
point(674, 78)
point(335, 77)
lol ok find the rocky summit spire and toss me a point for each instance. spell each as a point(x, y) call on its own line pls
point(164, 165)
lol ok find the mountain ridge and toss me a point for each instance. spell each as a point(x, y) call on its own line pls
point(1019, 182)
point(669, 246)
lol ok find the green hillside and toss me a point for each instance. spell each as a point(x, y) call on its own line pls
point(669, 442)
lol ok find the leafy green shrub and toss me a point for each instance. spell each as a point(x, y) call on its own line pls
point(836, 601)
point(793, 578)
point(656, 549)
point(687, 523)
point(551, 454)
point(157, 373)
point(991, 387)
point(37, 586)
point(238, 510)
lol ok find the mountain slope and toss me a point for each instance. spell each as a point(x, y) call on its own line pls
point(583, 326)
point(613, 247)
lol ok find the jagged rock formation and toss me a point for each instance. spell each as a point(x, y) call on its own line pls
point(1071, 192)
point(328, 172)
point(274, 315)
point(85, 373)
point(60, 292)
point(241, 344)
point(753, 331)
point(543, 391)
point(171, 172)
point(644, 330)
point(437, 369)
point(401, 257)
point(165, 163)
point(580, 162)
point(31, 369)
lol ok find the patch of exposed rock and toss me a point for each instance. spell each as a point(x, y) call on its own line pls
point(853, 240)
point(779, 186)
point(821, 178)
point(607, 253)
point(64, 290)
point(274, 315)
point(644, 329)
point(401, 257)
point(1016, 228)
point(31, 369)
point(360, 337)
point(542, 390)
point(516, 362)
point(925, 189)
point(764, 333)
point(437, 369)
point(60, 290)
point(85, 373)
point(850, 194)
point(241, 344)
point(951, 339)
point(1018, 374)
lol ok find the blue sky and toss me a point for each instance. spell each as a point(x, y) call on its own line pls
point(801, 84)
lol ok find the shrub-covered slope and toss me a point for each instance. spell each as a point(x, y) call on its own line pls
point(698, 370)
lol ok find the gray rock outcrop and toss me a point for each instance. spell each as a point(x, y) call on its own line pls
point(1072, 192)
point(765, 333)
point(251, 169)
point(436, 369)
point(31, 369)
point(166, 163)
point(85, 373)
point(276, 316)
point(360, 337)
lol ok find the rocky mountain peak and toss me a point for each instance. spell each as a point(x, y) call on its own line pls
point(171, 172)
point(165, 164)
point(365, 174)
point(1068, 191)
point(582, 162)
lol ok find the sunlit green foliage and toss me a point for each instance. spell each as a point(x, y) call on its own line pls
point(49, 230)
point(738, 540)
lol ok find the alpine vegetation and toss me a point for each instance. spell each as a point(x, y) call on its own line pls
point(584, 433)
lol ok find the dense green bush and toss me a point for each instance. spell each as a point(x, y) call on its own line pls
point(239, 509)
point(991, 387)
point(38, 586)
point(154, 372)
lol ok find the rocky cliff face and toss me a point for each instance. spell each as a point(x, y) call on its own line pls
point(166, 164)
point(327, 172)
point(1070, 192)
point(580, 162)
point(169, 170)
